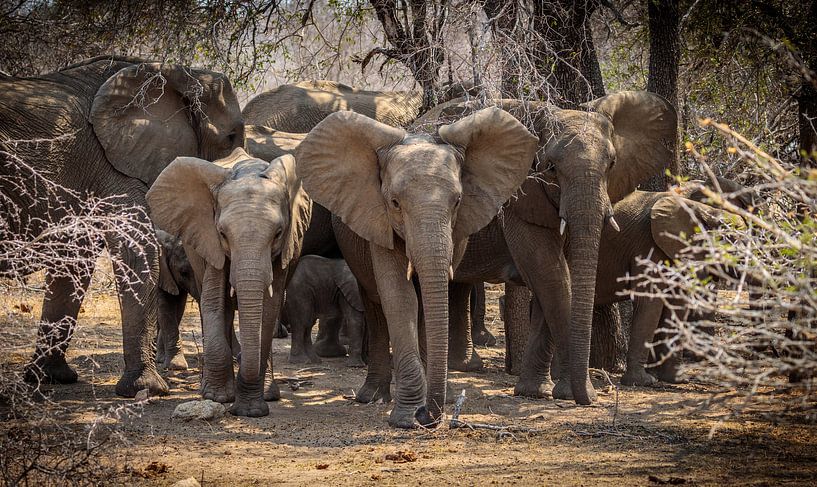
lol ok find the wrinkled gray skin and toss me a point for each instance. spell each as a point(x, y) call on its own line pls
point(242, 220)
point(298, 107)
point(177, 281)
point(588, 160)
point(406, 204)
point(323, 289)
point(108, 145)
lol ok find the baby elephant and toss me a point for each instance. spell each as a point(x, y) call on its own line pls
point(324, 289)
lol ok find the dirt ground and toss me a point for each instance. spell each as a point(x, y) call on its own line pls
point(315, 435)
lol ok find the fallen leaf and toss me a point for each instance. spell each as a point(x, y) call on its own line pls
point(402, 456)
point(322, 466)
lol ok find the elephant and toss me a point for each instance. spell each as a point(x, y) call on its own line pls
point(176, 282)
point(110, 125)
point(589, 159)
point(651, 224)
point(300, 106)
point(326, 289)
point(243, 221)
point(415, 200)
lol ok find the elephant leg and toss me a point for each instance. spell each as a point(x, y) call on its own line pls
point(353, 322)
point(646, 315)
point(535, 377)
point(327, 343)
point(169, 344)
point(540, 258)
point(399, 302)
point(669, 363)
point(218, 378)
point(461, 353)
point(58, 320)
point(138, 308)
point(377, 385)
point(301, 350)
point(479, 333)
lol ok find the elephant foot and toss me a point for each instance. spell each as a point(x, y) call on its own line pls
point(484, 338)
point(221, 393)
point(280, 331)
point(402, 416)
point(472, 364)
point(355, 361)
point(177, 362)
point(253, 408)
point(534, 389)
point(562, 390)
point(303, 358)
point(373, 391)
point(271, 391)
point(329, 348)
point(637, 376)
point(148, 378)
point(667, 375)
point(55, 370)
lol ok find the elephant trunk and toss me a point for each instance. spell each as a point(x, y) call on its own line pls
point(585, 222)
point(432, 259)
point(251, 283)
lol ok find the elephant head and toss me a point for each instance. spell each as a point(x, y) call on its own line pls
point(174, 267)
point(421, 195)
point(242, 212)
point(147, 114)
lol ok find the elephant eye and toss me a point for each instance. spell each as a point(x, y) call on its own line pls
point(395, 204)
point(278, 233)
point(612, 162)
point(457, 203)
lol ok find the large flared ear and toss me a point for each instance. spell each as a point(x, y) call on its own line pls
point(267, 144)
point(300, 211)
point(166, 281)
point(182, 202)
point(671, 216)
point(339, 166)
point(645, 126)
point(499, 152)
point(140, 116)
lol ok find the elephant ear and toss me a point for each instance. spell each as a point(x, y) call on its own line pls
point(499, 152)
point(645, 126)
point(140, 117)
point(182, 202)
point(338, 163)
point(300, 211)
point(671, 215)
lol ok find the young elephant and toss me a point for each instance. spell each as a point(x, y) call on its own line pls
point(176, 282)
point(410, 202)
point(242, 221)
point(650, 225)
point(325, 289)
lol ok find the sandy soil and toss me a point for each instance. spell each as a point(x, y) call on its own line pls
point(315, 435)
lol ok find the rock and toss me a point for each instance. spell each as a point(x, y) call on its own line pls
point(190, 481)
point(207, 410)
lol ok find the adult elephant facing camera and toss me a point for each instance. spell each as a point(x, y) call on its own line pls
point(112, 124)
point(244, 220)
point(410, 202)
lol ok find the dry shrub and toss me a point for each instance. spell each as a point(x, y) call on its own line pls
point(758, 283)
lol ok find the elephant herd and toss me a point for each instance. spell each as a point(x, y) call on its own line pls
point(255, 205)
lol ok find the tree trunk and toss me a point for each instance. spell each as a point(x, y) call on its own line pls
point(516, 316)
point(665, 53)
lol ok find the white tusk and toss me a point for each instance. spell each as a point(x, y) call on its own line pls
point(409, 271)
point(270, 290)
point(450, 273)
point(232, 291)
point(562, 226)
point(614, 224)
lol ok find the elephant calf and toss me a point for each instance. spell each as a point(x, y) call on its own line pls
point(650, 224)
point(324, 289)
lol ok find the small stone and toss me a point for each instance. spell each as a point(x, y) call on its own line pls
point(189, 481)
point(142, 396)
point(207, 410)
